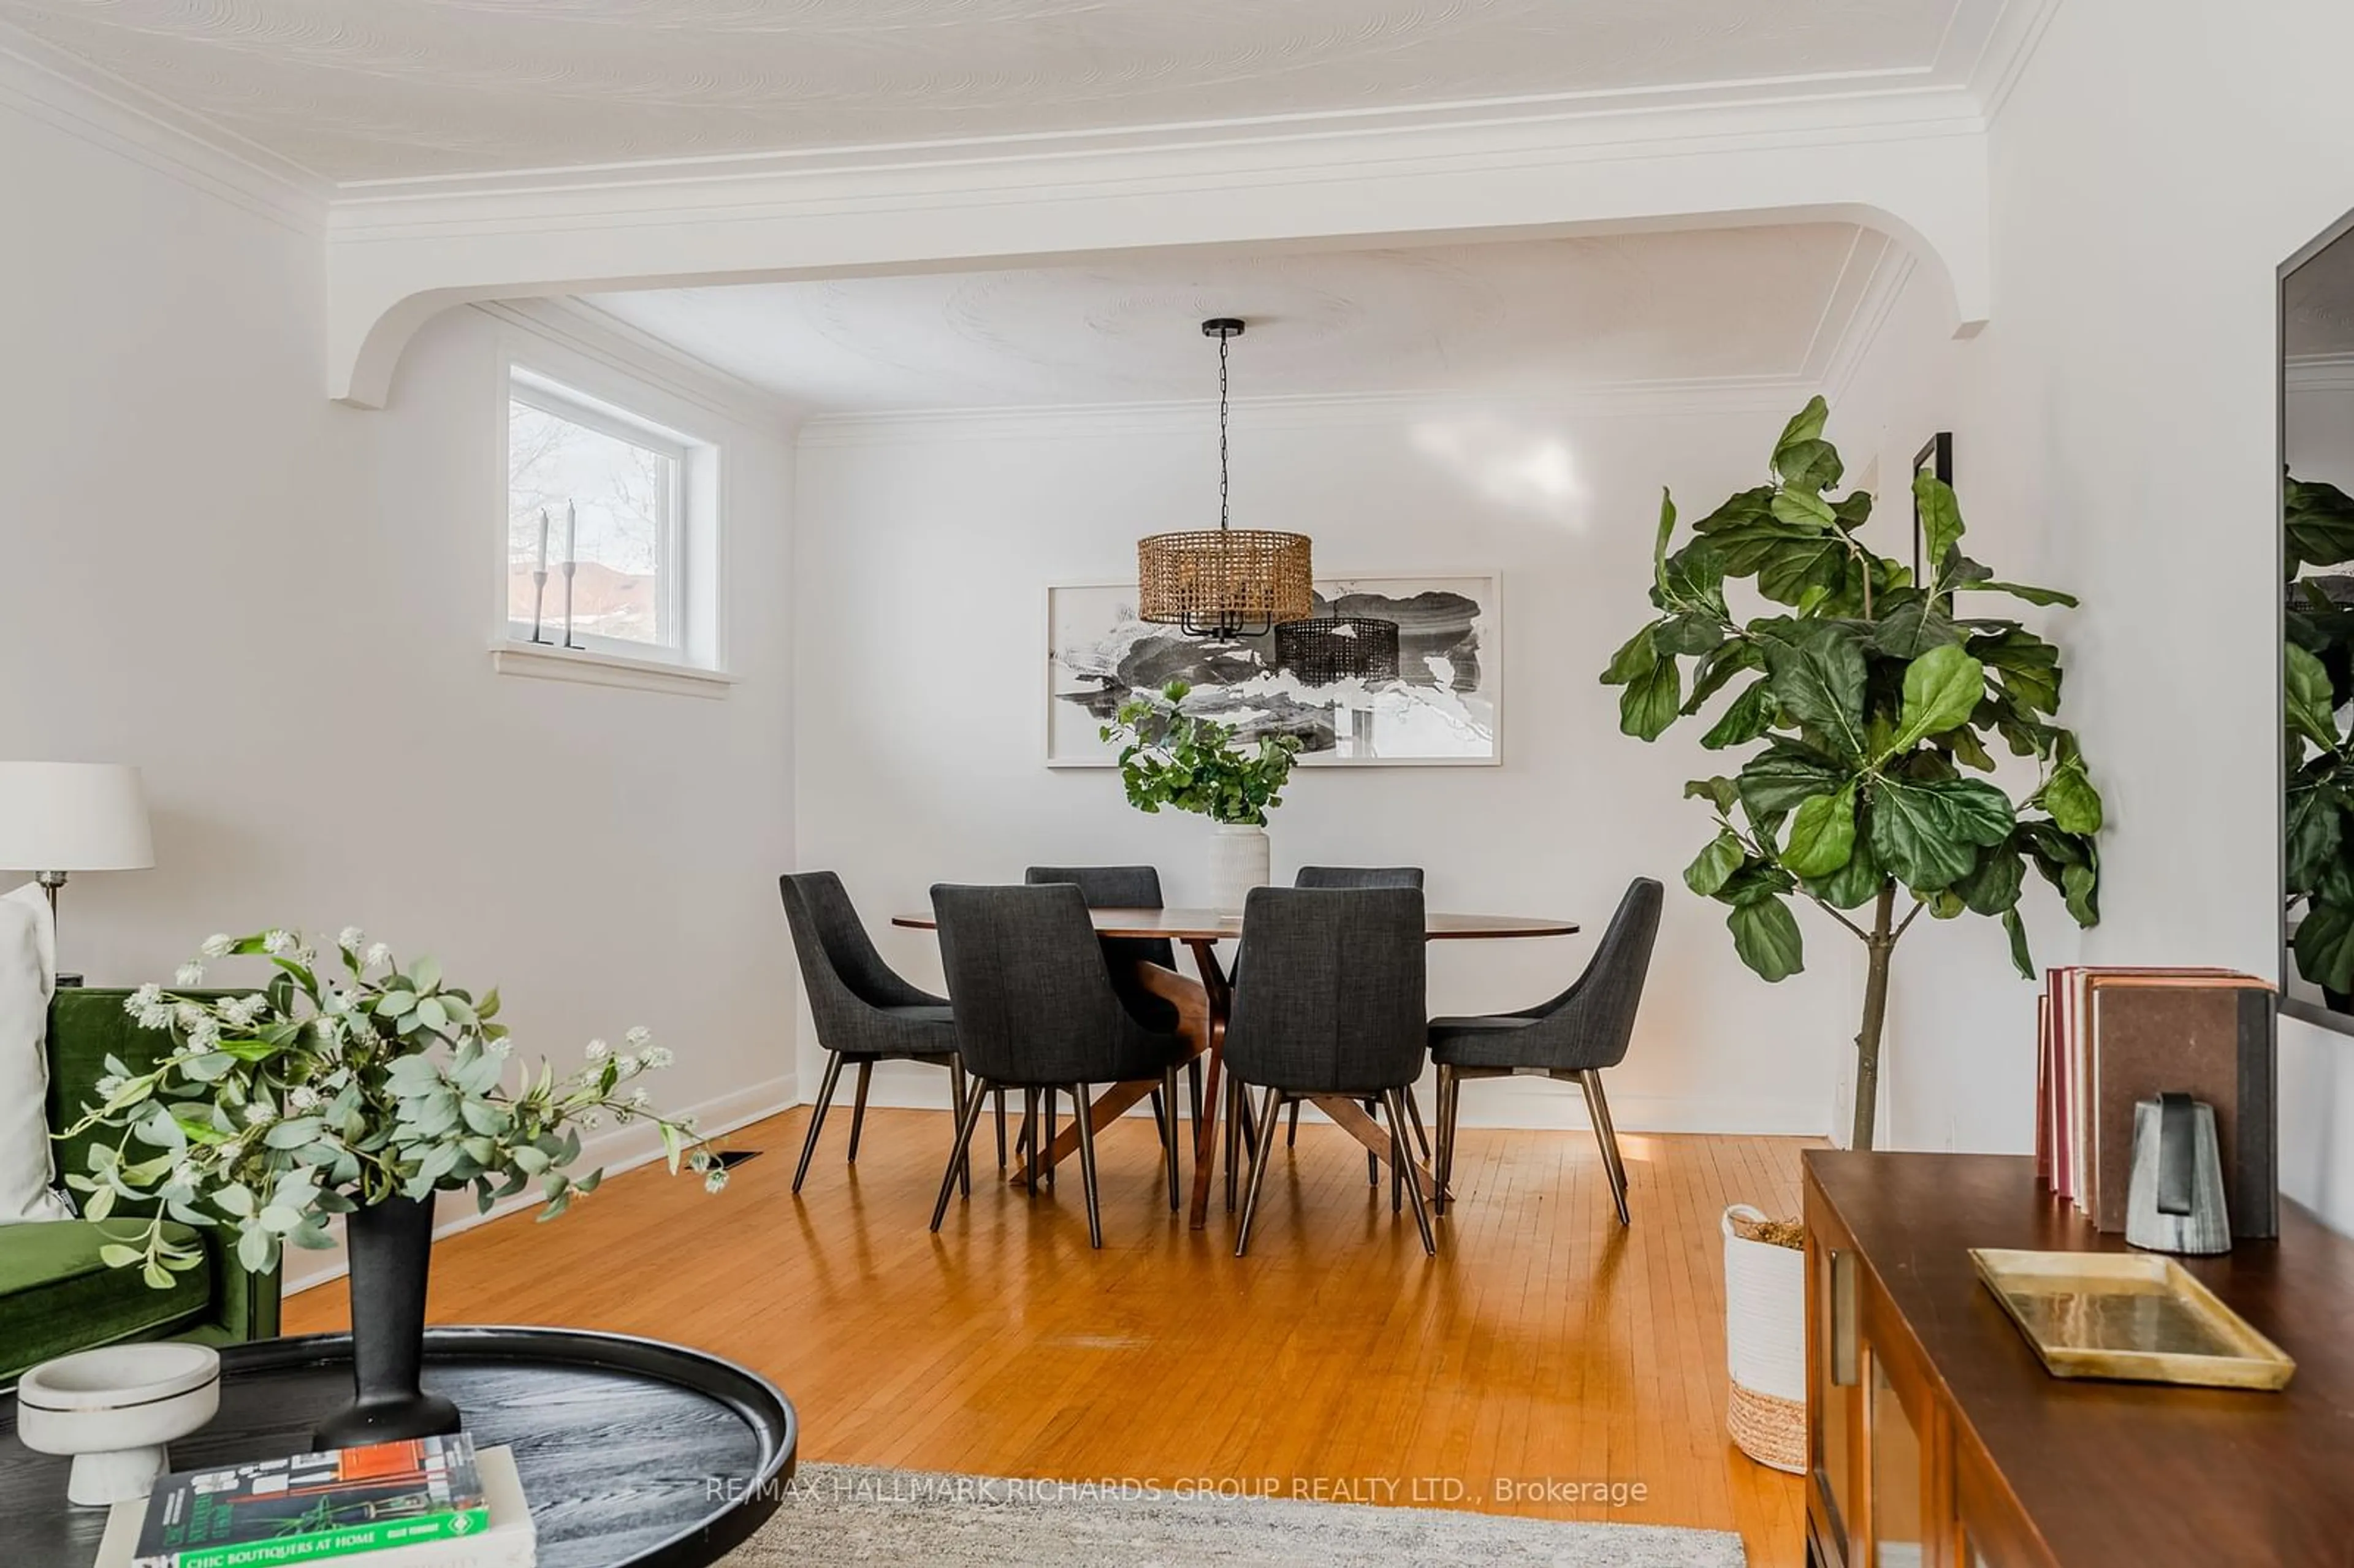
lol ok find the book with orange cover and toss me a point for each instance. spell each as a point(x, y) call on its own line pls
point(2057, 989)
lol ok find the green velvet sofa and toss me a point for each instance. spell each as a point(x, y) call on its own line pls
point(55, 1294)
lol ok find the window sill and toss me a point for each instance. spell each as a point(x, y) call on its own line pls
point(607, 670)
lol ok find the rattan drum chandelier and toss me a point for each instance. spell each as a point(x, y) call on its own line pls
point(1224, 582)
point(1330, 649)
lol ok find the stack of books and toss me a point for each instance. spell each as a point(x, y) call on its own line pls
point(2108, 1038)
point(430, 1502)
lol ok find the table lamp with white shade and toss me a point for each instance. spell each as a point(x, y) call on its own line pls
point(62, 817)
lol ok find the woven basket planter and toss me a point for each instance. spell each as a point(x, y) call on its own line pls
point(1765, 1345)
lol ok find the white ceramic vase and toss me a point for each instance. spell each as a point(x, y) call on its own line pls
point(1238, 862)
point(114, 1410)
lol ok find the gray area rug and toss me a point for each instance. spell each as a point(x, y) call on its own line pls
point(834, 1513)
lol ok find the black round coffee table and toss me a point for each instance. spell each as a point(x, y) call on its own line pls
point(634, 1454)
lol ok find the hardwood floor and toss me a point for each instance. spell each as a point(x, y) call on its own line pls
point(1545, 1348)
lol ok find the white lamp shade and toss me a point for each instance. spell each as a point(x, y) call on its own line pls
point(73, 816)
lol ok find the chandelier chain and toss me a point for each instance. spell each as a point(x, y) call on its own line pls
point(1223, 340)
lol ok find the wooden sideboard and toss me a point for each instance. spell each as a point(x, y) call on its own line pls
point(1937, 1437)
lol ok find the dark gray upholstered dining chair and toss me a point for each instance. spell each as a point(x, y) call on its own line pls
point(1362, 876)
point(1331, 1002)
point(865, 1012)
point(1128, 887)
point(1035, 1011)
point(1575, 1036)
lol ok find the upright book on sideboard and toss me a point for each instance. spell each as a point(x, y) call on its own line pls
point(2111, 1037)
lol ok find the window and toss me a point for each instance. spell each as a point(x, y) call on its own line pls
point(596, 495)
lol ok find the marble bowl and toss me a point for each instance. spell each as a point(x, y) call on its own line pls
point(113, 1411)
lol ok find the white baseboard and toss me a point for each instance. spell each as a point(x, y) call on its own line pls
point(1532, 1104)
point(616, 1149)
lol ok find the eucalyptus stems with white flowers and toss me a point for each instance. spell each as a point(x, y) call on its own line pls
point(278, 1109)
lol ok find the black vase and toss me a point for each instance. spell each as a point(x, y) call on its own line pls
point(391, 1247)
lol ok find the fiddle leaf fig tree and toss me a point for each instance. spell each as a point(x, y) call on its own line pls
point(1861, 705)
point(2318, 685)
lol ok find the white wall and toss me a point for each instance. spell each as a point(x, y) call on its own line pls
point(280, 609)
point(2115, 430)
point(923, 550)
point(1959, 1061)
point(2149, 179)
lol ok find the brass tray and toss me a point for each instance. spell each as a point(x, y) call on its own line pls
point(2133, 1315)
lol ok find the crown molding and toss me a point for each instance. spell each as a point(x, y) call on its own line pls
point(1873, 308)
point(2319, 372)
point(1112, 163)
point(1948, 97)
point(1851, 289)
point(2010, 46)
point(1774, 394)
point(69, 95)
point(1963, 87)
point(599, 335)
point(1604, 116)
point(1902, 146)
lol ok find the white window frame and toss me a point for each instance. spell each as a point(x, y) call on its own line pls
point(689, 545)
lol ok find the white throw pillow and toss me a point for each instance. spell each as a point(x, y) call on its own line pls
point(28, 975)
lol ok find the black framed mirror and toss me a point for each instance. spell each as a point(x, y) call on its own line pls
point(2316, 536)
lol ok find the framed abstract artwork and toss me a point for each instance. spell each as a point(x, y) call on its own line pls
point(1443, 706)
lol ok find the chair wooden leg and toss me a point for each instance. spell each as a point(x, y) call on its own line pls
point(957, 1092)
point(1169, 1135)
point(1373, 1160)
point(1413, 1115)
point(1161, 1113)
point(1193, 1075)
point(1291, 1136)
point(958, 1158)
point(999, 1094)
point(858, 1111)
point(1046, 1151)
point(817, 1114)
point(1399, 1151)
point(1413, 1189)
point(1259, 1162)
point(1234, 1133)
point(1029, 1142)
point(1087, 1163)
point(1449, 1087)
point(1598, 1109)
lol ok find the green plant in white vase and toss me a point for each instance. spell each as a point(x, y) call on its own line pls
point(362, 1095)
point(1172, 758)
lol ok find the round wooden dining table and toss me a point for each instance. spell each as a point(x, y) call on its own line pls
point(1202, 1006)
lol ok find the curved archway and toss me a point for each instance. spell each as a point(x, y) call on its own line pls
point(393, 266)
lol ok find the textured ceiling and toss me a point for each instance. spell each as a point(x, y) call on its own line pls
point(361, 89)
point(1524, 317)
